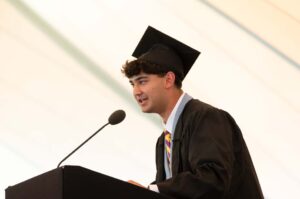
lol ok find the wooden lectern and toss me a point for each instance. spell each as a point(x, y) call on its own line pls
point(75, 182)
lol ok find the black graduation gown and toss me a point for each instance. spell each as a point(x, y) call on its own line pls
point(209, 159)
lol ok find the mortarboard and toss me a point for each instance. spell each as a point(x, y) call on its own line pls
point(159, 48)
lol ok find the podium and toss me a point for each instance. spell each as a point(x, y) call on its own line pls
point(75, 182)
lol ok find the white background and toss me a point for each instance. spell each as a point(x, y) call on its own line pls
point(60, 80)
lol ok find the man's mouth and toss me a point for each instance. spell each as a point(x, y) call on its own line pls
point(142, 99)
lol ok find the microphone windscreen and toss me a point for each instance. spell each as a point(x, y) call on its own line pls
point(116, 117)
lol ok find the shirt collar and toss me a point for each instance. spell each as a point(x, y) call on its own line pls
point(176, 112)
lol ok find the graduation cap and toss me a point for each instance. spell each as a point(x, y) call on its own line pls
point(159, 48)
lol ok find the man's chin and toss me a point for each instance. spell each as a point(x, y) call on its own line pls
point(146, 110)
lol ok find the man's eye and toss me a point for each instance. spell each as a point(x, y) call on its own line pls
point(142, 81)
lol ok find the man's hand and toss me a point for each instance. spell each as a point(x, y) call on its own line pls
point(136, 184)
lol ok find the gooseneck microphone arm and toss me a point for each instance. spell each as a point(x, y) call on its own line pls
point(115, 118)
point(82, 144)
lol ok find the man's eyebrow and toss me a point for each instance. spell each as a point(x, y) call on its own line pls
point(138, 78)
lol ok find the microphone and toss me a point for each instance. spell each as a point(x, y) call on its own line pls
point(115, 118)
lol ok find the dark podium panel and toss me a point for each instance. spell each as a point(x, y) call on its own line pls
point(75, 182)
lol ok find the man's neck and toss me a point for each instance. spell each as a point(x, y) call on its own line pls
point(170, 106)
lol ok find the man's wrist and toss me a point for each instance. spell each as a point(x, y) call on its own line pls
point(153, 187)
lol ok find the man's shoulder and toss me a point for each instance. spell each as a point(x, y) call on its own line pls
point(196, 109)
point(195, 105)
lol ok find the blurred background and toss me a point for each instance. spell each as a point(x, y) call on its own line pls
point(60, 80)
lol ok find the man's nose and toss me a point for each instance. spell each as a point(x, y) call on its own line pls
point(136, 90)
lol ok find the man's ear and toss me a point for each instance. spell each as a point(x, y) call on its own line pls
point(169, 79)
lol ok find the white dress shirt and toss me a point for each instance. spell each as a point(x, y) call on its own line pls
point(170, 127)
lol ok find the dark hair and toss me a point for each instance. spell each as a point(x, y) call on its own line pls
point(132, 68)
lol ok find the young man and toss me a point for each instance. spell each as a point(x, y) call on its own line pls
point(201, 153)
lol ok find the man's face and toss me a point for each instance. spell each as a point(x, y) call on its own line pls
point(149, 92)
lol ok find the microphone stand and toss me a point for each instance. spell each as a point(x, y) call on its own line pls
point(82, 144)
